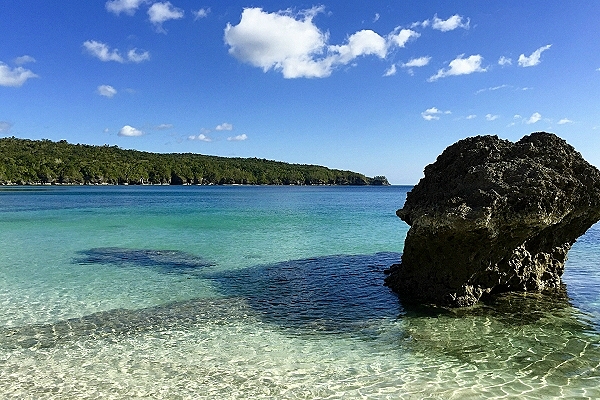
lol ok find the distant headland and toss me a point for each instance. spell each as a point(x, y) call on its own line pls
point(44, 162)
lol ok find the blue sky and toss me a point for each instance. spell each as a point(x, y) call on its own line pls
point(377, 87)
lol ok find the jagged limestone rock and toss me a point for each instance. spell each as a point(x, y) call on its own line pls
point(494, 216)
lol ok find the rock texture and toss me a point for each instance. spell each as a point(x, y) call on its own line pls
point(494, 216)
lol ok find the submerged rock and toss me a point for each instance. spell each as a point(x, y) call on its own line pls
point(494, 216)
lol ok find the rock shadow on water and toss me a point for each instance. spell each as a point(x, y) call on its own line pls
point(328, 294)
point(166, 261)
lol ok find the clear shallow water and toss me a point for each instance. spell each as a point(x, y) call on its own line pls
point(261, 292)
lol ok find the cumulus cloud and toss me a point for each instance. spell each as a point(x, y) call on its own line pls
point(565, 121)
point(535, 117)
point(103, 52)
point(504, 61)
point(491, 117)
point(460, 66)
point(201, 137)
point(162, 12)
point(124, 6)
point(128, 130)
point(5, 126)
point(433, 114)
point(224, 127)
point(454, 22)
point(400, 37)
point(14, 77)
point(237, 138)
point(106, 91)
point(294, 45)
point(24, 60)
point(201, 13)
point(534, 58)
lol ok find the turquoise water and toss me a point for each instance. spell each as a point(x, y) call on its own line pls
point(261, 292)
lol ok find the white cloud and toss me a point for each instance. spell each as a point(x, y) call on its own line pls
point(161, 12)
point(504, 61)
point(402, 36)
point(201, 13)
point(376, 18)
point(129, 131)
point(24, 60)
point(491, 117)
point(391, 71)
point(417, 62)
point(138, 57)
point(14, 77)
point(535, 117)
point(103, 52)
point(163, 127)
point(224, 127)
point(201, 137)
point(460, 66)
point(454, 22)
point(106, 91)
point(278, 41)
point(433, 113)
point(565, 121)
point(237, 138)
point(126, 6)
point(294, 45)
point(361, 43)
point(534, 58)
point(5, 126)
point(472, 116)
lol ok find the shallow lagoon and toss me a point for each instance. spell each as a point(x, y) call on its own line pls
point(261, 292)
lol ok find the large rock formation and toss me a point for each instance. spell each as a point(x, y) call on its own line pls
point(493, 216)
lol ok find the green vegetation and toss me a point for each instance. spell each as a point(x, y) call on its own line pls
point(26, 162)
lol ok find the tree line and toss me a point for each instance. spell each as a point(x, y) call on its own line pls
point(28, 162)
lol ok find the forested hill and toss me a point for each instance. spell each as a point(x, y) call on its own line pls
point(25, 162)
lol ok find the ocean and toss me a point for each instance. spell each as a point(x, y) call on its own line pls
point(238, 292)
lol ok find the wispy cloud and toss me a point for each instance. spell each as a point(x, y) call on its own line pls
point(433, 113)
point(106, 91)
point(163, 127)
point(24, 60)
point(417, 62)
point(504, 61)
point(124, 6)
point(201, 13)
point(103, 52)
point(237, 138)
point(162, 12)
point(201, 137)
point(391, 71)
point(534, 58)
point(454, 22)
point(491, 117)
point(565, 121)
point(460, 66)
point(5, 126)
point(491, 89)
point(14, 77)
point(130, 131)
point(225, 126)
point(472, 116)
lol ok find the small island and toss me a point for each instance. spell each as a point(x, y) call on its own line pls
point(44, 162)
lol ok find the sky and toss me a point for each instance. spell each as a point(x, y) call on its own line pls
point(376, 87)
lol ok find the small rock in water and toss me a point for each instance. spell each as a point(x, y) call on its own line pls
point(494, 216)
